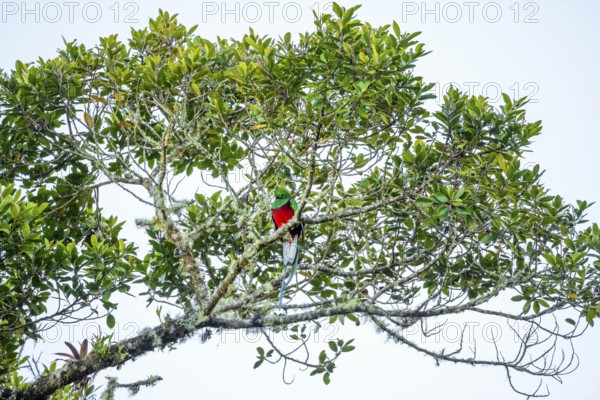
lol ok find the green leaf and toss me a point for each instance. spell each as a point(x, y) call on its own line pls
point(424, 202)
point(440, 197)
point(195, 88)
point(396, 28)
point(589, 317)
point(322, 357)
point(550, 258)
point(507, 100)
point(15, 209)
point(501, 162)
point(25, 230)
point(88, 120)
point(338, 10)
point(362, 86)
point(487, 239)
point(442, 212)
point(333, 346)
point(110, 321)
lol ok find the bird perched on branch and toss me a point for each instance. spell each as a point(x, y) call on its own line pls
point(282, 210)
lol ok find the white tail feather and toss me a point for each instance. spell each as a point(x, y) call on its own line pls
point(290, 258)
point(290, 252)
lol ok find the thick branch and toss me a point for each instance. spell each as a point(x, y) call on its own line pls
point(117, 354)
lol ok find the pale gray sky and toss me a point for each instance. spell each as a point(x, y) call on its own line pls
point(548, 50)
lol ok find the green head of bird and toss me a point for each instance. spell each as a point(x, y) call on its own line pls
point(282, 193)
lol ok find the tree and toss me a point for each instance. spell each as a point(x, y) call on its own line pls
point(409, 215)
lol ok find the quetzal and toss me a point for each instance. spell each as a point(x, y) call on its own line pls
point(282, 210)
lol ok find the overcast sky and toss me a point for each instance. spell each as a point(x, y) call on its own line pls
point(547, 50)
